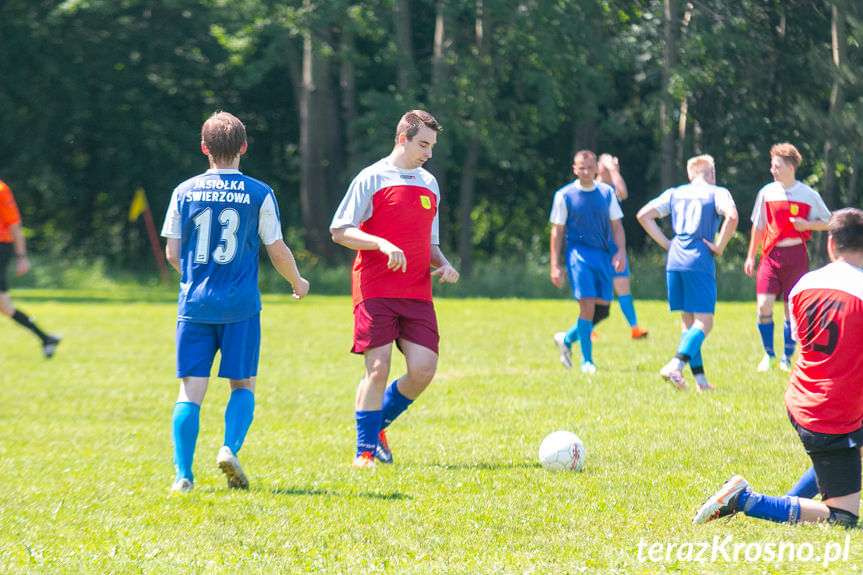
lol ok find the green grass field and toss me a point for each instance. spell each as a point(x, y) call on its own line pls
point(86, 450)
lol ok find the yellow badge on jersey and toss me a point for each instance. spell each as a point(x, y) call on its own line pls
point(425, 201)
point(795, 209)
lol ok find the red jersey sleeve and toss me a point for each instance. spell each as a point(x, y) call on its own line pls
point(9, 214)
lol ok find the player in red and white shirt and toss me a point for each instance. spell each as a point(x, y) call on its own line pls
point(390, 216)
point(785, 213)
point(824, 397)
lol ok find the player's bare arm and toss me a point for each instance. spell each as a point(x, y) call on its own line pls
point(443, 268)
point(356, 239)
point(172, 253)
point(22, 264)
point(754, 242)
point(729, 224)
point(609, 172)
point(803, 225)
point(283, 260)
point(557, 273)
point(618, 260)
point(647, 218)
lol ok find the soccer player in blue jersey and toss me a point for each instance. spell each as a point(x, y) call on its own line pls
point(585, 216)
point(215, 224)
point(609, 173)
point(696, 209)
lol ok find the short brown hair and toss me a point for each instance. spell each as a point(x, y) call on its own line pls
point(224, 135)
point(846, 229)
point(411, 122)
point(788, 153)
point(584, 155)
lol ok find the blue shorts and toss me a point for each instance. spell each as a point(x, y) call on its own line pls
point(692, 292)
point(590, 274)
point(624, 273)
point(239, 342)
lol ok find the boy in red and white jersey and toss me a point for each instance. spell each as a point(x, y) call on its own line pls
point(390, 216)
point(824, 398)
point(785, 213)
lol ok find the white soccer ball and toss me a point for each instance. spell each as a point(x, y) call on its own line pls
point(562, 451)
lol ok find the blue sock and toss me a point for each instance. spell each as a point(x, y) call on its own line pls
point(571, 335)
point(789, 341)
point(696, 361)
point(778, 508)
point(238, 417)
point(628, 309)
point(394, 404)
point(690, 342)
point(766, 331)
point(186, 422)
point(368, 429)
point(584, 329)
point(806, 486)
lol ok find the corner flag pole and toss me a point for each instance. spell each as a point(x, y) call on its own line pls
point(141, 207)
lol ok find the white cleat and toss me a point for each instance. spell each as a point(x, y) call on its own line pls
point(671, 373)
point(766, 363)
point(785, 363)
point(230, 465)
point(182, 486)
point(723, 502)
point(565, 351)
point(588, 367)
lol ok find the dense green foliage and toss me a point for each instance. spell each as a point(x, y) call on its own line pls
point(86, 449)
point(100, 97)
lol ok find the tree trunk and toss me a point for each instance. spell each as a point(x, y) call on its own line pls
point(348, 85)
point(668, 169)
point(468, 174)
point(440, 82)
point(466, 196)
point(404, 37)
point(837, 101)
point(320, 157)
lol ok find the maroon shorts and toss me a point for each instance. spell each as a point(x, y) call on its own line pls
point(780, 270)
point(381, 320)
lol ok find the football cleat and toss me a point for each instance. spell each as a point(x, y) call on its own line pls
point(230, 466)
point(588, 367)
point(182, 486)
point(565, 352)
point(383, 453)
point(49, 346)
point(365, 460)
point(699, 386)
point(638, 332)
point(671, 373)
point(723, 502)
point(701, 383)
point(766, 363)
point(785, 363)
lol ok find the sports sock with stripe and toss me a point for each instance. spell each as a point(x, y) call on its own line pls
point(394, 404)
point(766, 332)
point(368, 429)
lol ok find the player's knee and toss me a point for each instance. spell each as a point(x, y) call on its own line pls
point(422, 373)
point(600, 312)
point(842, 517)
